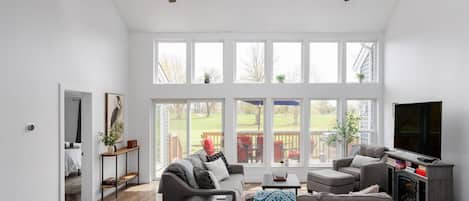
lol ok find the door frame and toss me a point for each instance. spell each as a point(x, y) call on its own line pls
point(87, 144)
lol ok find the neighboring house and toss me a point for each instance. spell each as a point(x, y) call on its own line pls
point(364, 61)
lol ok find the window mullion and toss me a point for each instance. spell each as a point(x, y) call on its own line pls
point(269, 62)
point(188, 127)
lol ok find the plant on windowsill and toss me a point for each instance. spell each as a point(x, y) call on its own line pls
point(280, 78)
point(360, 77)
point(207, 78)
point(346, 132)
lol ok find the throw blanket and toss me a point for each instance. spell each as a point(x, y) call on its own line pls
point(274, 196)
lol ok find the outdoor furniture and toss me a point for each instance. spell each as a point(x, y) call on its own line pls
point(175, 148)
point(292, 182)
point(244, 146)
point(330, 181)
point(369, 173)
point(278, 151)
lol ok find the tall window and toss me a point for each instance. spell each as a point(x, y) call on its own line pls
point(360, 62)
point(365, 110)
point(287, 62)
point(170, 133)
point(208, 62)
point(171, 63)
point(250, 62)
point(250, 130)
point(286, 130)
point(323, 62)
point(206, 125)
point(176, 135)
point(322, 128)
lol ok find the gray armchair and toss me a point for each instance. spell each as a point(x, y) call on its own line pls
point(369, 173)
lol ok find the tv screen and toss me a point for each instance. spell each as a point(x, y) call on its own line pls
point(417, 128)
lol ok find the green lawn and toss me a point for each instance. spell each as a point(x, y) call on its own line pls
point(201, 123)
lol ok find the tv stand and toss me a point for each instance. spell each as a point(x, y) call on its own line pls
point(405, 184)
point(426, 160)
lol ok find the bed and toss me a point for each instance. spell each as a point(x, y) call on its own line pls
point(72, 159)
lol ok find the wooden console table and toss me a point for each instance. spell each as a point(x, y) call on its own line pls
point(128, 175)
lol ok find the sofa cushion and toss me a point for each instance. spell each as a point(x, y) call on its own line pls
point(235, 182)
point(218, 168)
point(196, 161)
point(355, 172)
point(356, 197)
point(359, 161)
point(184, 170)
point(217, 156)
point(203, 178)
point(372, 151)
point(330, 177)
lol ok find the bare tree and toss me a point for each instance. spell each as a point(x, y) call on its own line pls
point(172, 68)
point(255, 64)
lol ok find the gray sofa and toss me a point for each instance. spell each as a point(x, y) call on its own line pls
point(369, 174)
point(345, 197)
point(178, 182)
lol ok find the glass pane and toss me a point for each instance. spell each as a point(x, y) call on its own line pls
point(250, 62)
point(323, 121)
point(250, 130)
point(170, 134)
point(364, 109)
point(171, 67)
point(286, 128)
point(360, 64)
point(323, 62)
point(206, 125)
point(287, 62)
point(208, 62)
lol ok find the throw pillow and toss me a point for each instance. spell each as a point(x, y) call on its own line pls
point(359, 161)
point(214, 180)
point(218, 168)
point(216, 157)
point(370, 189)
point(203, 178)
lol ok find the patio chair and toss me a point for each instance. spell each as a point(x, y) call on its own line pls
point(244, 148)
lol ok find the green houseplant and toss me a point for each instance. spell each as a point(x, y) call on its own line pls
point(280, 78)
point(346, 132)
point(207, 78)
point(110, 139)
point(360, 77)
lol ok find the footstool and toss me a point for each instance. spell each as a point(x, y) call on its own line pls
point(330, 181)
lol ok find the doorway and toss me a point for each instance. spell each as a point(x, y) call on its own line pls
point(75, 145)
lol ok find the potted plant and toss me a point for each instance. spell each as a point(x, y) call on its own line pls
point(360, 77)
point(110, 139)
point(346, 132)
point(280, 78)
point(207, 78)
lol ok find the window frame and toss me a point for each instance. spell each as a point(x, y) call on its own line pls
point(192, 52)
point(340, 63)
point(267, 50)
point(302, 62)
point(375, 62)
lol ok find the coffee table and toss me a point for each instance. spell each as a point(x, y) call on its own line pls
point(292, 182)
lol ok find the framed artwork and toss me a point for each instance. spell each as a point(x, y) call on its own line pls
point(115, 108)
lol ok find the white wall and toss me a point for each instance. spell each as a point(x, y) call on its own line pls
point(80, 43)
point(142, 90)
point(256, 16)
point(426, 59)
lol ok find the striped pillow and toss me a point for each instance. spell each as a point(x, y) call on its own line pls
point(216, 156)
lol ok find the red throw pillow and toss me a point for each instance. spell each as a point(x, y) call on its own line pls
point(208, 146)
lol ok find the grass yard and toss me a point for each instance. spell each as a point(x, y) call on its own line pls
point(246, 122)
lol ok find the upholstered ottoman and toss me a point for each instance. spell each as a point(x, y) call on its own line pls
point(330, 181)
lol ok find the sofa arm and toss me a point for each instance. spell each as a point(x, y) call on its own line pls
point(236, 169)
point(373, 173)
point(343, 162)
point(174, 188)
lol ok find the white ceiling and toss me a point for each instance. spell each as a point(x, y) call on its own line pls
point(256, 15)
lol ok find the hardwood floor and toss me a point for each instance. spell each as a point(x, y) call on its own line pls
point(148, 192)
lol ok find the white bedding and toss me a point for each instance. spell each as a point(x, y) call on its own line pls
point(72, 160)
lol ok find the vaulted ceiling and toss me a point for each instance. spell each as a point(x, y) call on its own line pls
point(256, 15)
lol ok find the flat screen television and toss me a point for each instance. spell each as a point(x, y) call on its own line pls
point(417, 128)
